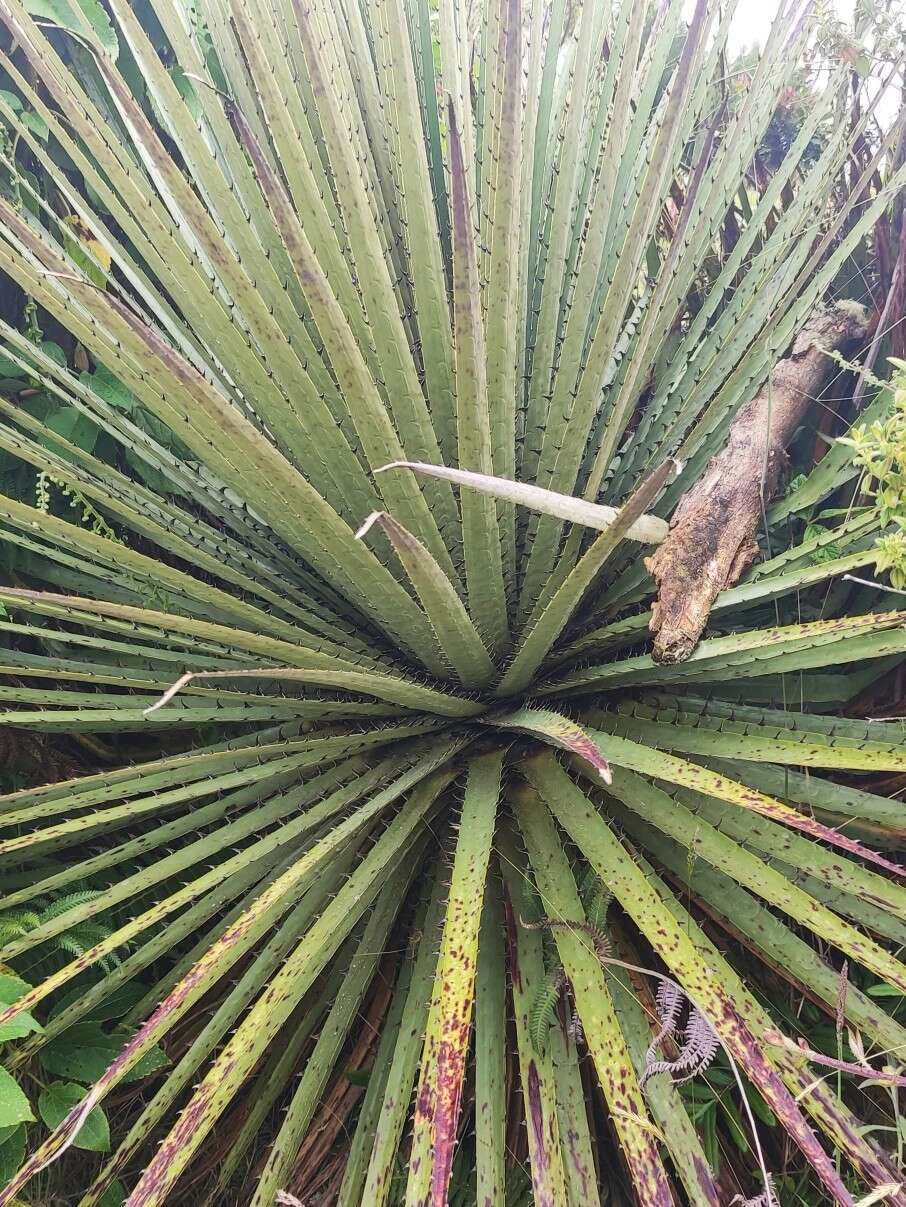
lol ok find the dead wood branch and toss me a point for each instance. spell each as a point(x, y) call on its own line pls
point(713, 533)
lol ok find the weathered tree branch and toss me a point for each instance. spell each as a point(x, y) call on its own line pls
point(713, 533)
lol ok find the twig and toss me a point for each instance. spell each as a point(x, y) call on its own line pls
point(844, 1066)
point(276, 672)
point(867, 582)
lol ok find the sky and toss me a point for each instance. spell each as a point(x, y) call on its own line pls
point(753, 21)
point(752, 24)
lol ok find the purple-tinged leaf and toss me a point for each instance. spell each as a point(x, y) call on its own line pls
point(583, 964)
point(554, 729)
point(588, 829)
point(664, 766)
point(437, 1103)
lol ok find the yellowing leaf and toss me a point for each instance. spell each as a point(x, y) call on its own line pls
point(84, 239)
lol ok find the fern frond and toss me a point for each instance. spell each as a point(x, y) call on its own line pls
point(541, 1013)
point(596, 898)
point(67, 902)
point(700, 1045)
point(767, 1198)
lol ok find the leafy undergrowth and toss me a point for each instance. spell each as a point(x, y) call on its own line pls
point(43, 1091)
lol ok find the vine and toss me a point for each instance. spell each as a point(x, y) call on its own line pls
point(90, 515)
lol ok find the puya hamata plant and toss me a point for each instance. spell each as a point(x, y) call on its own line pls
point(397, 333)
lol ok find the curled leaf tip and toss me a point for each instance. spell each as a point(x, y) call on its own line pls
point(374, 518)
point(556, 730)
point(395, 465)
point(169, 693)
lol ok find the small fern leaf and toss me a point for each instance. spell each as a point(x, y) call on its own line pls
point(72, 947)
point(598, 905)
point(68, 902)
point(669, 1004)
point(767, 1198)
point(541, 1014)
point(17, 923)
point(700, 1047)
point(700, 1043)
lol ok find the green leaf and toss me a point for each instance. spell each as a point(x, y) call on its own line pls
point(186, 90)
point(54, 351)
point(36, 124)
point(22, 1024)
point(358, 1076)
point(154, 479)
point(63, 14)
point(114, 1005)
point(113, 1196)
point(883, 990)
point(12, 1151)
point(14, 1106)
point(57, 1100)
point(75, 427)
point(9, 368)
point(81, 1053)
point(12, 987)
point(155, 1058)
point(86, 253)
point(110, 388)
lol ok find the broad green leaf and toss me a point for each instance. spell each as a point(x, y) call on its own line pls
point(57, 1100)
point(114, 1005)
point(9, 368)
point(23, 1024)
point(73, 426)
point(79, 17)
point(114, 1196)
point(186, 90)
point(82, 1053)
point(36, 123)
point(14, 1106)
point(12, 987)
point(12, 1151)
point(152, 1061)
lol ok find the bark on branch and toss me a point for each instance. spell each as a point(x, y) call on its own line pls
point(713, 533)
